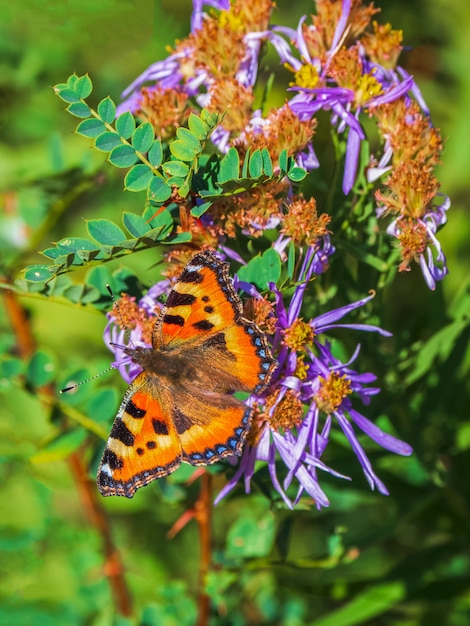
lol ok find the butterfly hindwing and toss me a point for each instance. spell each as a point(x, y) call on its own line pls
point(210, 426)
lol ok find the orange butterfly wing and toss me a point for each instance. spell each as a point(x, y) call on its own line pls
point(202, 304)
point(181, 407)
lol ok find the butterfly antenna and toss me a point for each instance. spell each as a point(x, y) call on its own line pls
point(87, 380)
point(117, 345)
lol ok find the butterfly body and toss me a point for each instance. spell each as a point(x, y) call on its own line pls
point(181, 406)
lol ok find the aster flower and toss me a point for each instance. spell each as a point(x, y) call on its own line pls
point(131, 324)
point(345, 83)
point(309, 376)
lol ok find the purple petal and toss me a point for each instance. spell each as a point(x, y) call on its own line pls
point(376, 434)
point(372, 478)
point(325, 320)
point(351, 161)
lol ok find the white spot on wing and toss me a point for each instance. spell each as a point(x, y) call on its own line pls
point(107, 470)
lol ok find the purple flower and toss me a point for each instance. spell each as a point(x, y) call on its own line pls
point(430, 256)
point(140, 317)
point(309, 376)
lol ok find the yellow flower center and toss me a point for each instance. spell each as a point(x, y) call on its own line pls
point(306, 76)
point(367, 87)
point(333, 389)
point(299, 335)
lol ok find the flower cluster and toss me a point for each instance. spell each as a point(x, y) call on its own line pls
point(343, 62)
point(346, 64)
point(311, 387)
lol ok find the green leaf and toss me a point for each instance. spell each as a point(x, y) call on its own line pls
point(296, 174)
point(179, 238)
point(229, 166)
point(125, 124)
point(52, 253)
point(175, 168)
point(105, 232)
point(159, 190)
point(135, 224)
point(211, 119)
point(291, 260)
point(186, 147)
point(41, 369)
point(155, 154)
point(255, 166)
point(107, 110)
point(366, 606)
point(436, 349)
point(10, 367)
point(103, 404)
point(98, 277)
point(158, 218)
point(251, 537)
point(138, 178)
point(107, 141)
point(72, 244)
point(83, 87)
point(246, 160)
point(143, 137)
point(59, 285)
point(66, 94)
point(37, 273)
point(61, 447)
point(181, 151)
point(361, 253)
point(81, 294)
point(262, 269)
point(197, 127)
point(89, 295)
point(200, 209)
point(79, 109)
point(283, 161)
point(72, 81)
point(267, 162)
point(183, 186)
point(90, 128)
point(123, 156)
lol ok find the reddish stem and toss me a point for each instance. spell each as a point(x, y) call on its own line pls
point(203, 515)
point(113, 567)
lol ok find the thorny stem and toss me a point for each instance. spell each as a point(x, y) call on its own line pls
point(113, 568)
point(203, 515)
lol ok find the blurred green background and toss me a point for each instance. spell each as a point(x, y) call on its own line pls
point(368, 559)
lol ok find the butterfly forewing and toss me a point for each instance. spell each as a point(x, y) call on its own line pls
point(143, 443)
point(201, 303)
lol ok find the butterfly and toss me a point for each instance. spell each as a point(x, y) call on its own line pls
point(181, 407)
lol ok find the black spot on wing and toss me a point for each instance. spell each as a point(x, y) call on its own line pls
point(134, 410)
point(209, 309)
point(151, 445)
point(120, 432)
point(182, 422)
point(188, 276)
point(203, 325)
point(177, 320)
point(113, 460)
point(205, 298)
point(180, 299)
point(218, 341)
point(159, 427)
